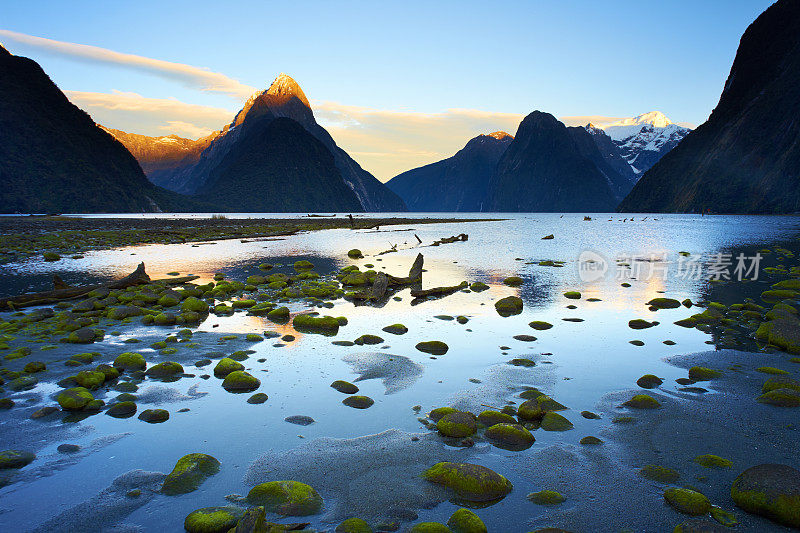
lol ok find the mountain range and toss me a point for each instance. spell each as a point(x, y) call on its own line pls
point(746, 157)
point(569, 168)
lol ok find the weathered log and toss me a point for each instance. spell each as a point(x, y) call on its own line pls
point(137, 277)
point(439, 291)
point(454, 238)
point(414, 274)
point(384, 282)
point(379, 286)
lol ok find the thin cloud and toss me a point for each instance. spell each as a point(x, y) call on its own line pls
point(188, 75)
point(135, 113)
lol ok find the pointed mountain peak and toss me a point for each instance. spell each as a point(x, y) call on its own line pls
point(653, 118)
point(500, 135)
point(285, 86)
point(4, 51)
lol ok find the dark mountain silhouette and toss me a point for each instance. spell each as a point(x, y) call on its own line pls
point(746, 157)
point(609, 162)
point(458, 183)
point(54, 158)
point(284, 98)
point(544, 170)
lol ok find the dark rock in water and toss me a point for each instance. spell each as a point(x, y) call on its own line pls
point(124, 409)
point(458, 183)
point(649, 381)
point(68, 448)
point(15, 459)
point(744, 159)
point(368, 339)
point(344, 387)
point(300, 420)
point(700, 525)
point(358, 402)
point(525, 338)
point(432, 347)
point(154, 416)
point(457, 424)
point(45, 411)
point(258, 398)
point(770, 490)
point(510, 305)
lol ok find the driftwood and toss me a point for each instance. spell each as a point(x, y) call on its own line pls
point(439, 291)
point(386, 283)
point(448, 240)
point(61, 291)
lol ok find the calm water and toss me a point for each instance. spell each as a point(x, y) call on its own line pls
point(583, 361)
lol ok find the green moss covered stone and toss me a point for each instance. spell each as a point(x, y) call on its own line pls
point(546, 497)
point(642, 401)
point(289, 498)
point(225, 366)
point(508, 306)
point(212, 519)
point(470, 482)
point(189, 473)
point(240, 381)
point(658, 473)
point(457, 424)
point(130, 361)
point(353, 525)
point(465, 521)
point(433, 347)
point(687, 501)
point(770, 490)
point(74, 399)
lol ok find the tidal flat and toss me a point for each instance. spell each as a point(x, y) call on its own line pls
point(525, 396)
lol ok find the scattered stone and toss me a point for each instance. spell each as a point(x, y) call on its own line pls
point(124, 409)
point(213, 519)
point(258, 398)
point(770, 490)
point(639, 323)
point(712, 461)
point(433, 347)
point(358, 402)
point(701, 373)
point(649, 381)
point(15, 459)
point(300, 420)
point(288, 498)
point(555, 422)
point(189, 473)
point(240, 381)
point(546, 497)
point(345, 387)
point(508, 306)
point(74, 399)
point(68, 448)
point(368, 340)
point(658, 473)
point(642, 401)
point(154, 416)
point(457, 424)
point(540, 325)
point(470, 482)
point(591, 441)
point(510, 435)
point(525, 338)
point(687, 501)
point(465, 521)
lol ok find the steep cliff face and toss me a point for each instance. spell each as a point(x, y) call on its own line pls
point(612, 166)
point(458, 183)
point(746, 157)
point(54, 158)
point(543, 170)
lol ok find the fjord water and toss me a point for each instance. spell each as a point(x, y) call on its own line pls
point(577, 362)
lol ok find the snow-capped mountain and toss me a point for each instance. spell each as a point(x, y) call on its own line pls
point(644, 139)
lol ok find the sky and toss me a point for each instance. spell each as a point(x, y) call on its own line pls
point(399, 84)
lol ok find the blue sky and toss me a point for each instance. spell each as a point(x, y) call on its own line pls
point(381, 75)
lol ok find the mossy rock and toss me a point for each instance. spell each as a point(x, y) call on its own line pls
point(288, 498)
point(303, 265)
point(726, 518)
point(712, 461)
point(465, 521)
point(649, 381)
point(590, 440)
point(546, 497)
point(470, 482)
point(662, 474)
point(642, 401)
point(770, 490)
point(108, 371)
point(432, 347)
point(353, 525)
point(701, 373)
point(355, 253)
point(254, 337)
point(687, 501)
point(326, 325)
point(430, 527)
point(572, 295)
point(225, 366)
point(368, 339)
point(22, 383)
point(165, 370)
point(213, 519)
point(279, 315)
point(555, 422)
point(34, 367)
point(257, 398)
point(521, 361)
point(771, 370)
point(781, 382)
point(439, 412)
point(664, 303)
point(358, 402)
point(123, 409)
point(15, 459)
point(189, 473)
point(345, 387)
point(74, 399)
point(243, 304)
point(130, 361)
point(781, 398)
point(396, 329)
point(240, 381)
point(510, 435)
point(540, 325)
point(478, 286)
point(535, 408)
point(154, 416)
point(457, 424)
point(489, 418)
point(508, 306)
point(513, 281)
point(638, 323)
